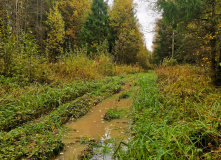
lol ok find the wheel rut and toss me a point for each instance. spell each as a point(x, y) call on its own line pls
point(93, 128)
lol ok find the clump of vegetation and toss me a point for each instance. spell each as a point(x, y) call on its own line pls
point(169, 62)
point(30, 67)
point(57, 50)
point(87, 153)
point(191, 41)
point(114, 114)
point(177, 118)
point(51, 66)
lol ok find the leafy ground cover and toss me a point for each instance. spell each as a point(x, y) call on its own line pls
point(40, 137)
point(176, 115)
point(42, 100)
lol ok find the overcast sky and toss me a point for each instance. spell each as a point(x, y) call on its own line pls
point(146, 16)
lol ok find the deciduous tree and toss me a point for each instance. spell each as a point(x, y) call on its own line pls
point(183, 12)
point(56, 32)
point(125, 36)
point(74, 13)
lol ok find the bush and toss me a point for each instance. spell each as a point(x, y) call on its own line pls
point(169, 62)
point(127, 69)
point(75, 66)
point(20, 59)
point(104, 65)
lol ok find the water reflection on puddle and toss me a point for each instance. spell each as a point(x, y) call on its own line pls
point(108, 146)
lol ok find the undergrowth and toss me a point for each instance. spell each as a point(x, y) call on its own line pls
point(72, 66)
point(176, 118)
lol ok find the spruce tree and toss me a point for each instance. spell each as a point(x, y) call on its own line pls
point(95, 28)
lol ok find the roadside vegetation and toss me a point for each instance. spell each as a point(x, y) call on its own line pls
point(175, 119)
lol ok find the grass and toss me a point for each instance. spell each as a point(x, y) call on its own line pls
point(34, 105)
point(176, 115)
point(38, 96)
point(115, 114)
point(40, 137)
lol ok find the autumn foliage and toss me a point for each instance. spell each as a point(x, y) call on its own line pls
point(52, 48)
point(191, 31)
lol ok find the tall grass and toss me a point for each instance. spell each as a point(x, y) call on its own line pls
point(176, 118)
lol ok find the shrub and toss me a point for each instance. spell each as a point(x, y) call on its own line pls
point(104, 65)
point(75, 66)
point(169, 62)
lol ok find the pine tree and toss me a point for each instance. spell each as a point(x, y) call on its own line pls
point(95, 28)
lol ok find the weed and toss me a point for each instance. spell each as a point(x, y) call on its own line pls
point(87, 153)
point(169, 62)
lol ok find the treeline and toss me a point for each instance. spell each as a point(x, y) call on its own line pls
point(190, 32)
point(35, 33)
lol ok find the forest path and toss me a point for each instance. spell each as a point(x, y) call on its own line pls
point(93, 128)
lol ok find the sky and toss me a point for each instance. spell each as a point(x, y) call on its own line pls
point(147, 17)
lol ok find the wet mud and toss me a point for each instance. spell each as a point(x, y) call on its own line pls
point(93, 128)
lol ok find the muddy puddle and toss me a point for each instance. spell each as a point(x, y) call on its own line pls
point(93, 128)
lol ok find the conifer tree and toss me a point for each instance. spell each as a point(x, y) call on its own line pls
point(95, 28)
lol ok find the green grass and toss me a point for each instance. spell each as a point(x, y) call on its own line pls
point(176, 128)
point(46, 98)
point(176, 115)
point(115, 114)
